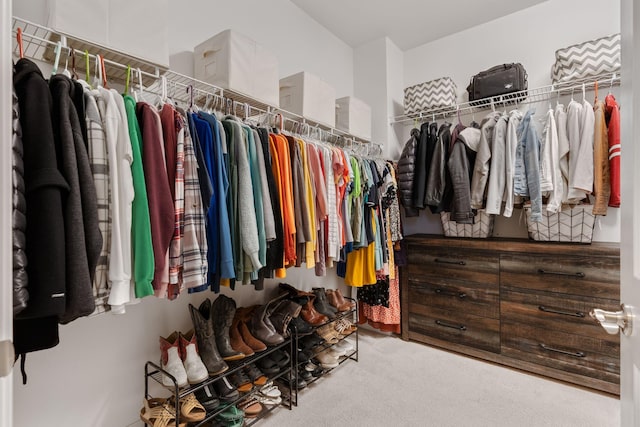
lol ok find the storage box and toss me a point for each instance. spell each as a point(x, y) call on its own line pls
point(309, 96)
point(353, 116)
point(480, 229)
point(233, 61)
point(432, 94)
point(589, 59)
point(571, 224)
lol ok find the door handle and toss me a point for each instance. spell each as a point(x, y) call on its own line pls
point(613, 321)
point(7, 357)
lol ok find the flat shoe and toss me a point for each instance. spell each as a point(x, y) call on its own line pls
point(271, 391)
point(251, 408)
point(159, 413)
point(345, 345)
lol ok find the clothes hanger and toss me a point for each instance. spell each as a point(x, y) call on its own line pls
point(595, 89)
point(584, 92)
point(613, 77)
point(74, 73)
point(127, 80)
point(190, 93)
point(66, 71)
point(458, 113)
point(97, 73)
point(103, 72)
point(56, 62)
point(19, 40)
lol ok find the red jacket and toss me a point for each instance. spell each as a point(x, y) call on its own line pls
point(612, 113)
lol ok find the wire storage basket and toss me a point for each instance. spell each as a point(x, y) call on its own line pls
point(572, 224)
point(481, 228)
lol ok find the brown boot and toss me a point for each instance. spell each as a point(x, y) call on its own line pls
point(332, 297)
point(309, 314)
point(244, 314)
point(342, 300)
point(237, 343)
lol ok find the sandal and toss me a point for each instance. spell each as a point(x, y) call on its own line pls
point(191, 410)
point(231, 415)
point(344, 327)
point(158, 412)
point(251, 408)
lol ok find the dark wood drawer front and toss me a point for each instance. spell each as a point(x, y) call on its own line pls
point(456, 296)
point(568, 313)
point(471, 266)
point(560, 350)
point(466, 329)
point(579, 275)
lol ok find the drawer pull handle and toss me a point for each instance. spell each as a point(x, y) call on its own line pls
point(449, 261)
point(564, 313)
point(441, 291)
point(449, 325)
point(561, 273)
point(568, 353)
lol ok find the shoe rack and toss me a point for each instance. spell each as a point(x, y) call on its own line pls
point(153, 372)
point(350, 315)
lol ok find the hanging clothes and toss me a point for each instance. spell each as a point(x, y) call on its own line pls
point(612, 115)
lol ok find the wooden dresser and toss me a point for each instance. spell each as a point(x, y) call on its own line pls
point(519, 303)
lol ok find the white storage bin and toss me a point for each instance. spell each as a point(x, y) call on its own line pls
point(233, 61)
point(309, 96)
point(353, 116)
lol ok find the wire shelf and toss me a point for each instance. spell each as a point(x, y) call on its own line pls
point(528, 96)
point(40, 43)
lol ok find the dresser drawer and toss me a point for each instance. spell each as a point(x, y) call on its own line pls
point(568, 313)
point(473, 266)
point(466, 329)
point(456, 296)
point(567, 352)
point(597, 277)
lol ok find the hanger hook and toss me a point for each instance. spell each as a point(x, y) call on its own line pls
point(20, 45)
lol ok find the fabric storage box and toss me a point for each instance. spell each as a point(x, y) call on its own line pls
point(233, 61)
point(309, 96)
point(436, 93)
point(480, 229)
point(571, 224)
point(588, 59)
point(353, 116)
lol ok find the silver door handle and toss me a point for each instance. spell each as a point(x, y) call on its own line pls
point(613, 321)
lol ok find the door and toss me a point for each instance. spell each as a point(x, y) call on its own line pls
point(6, 256)
point(630, 215)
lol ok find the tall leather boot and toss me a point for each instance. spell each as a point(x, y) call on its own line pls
point(262, 328)
point(237, 342)
point(171, 361)
point(201, 318)
point(309, 314)
point(196, 371)
point(244, 314)
point(282, 313)
point(223, 309)
point(322, 305)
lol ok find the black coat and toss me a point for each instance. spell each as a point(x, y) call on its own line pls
point(19, 219)
point(406, 172)
point(82, 236)
point(36, 327)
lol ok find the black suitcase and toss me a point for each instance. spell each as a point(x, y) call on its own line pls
point(499, 80)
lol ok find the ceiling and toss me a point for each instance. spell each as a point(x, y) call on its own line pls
point(408, 23)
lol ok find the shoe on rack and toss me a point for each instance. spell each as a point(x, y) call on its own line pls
point(343, 301)
point(244, 314)
point(329, 334)
point(282, 313)
point(309, 342)
point(255, 375)
point(201, 318)
point(305, 375)
point(262, 328)
point(322, 305)
point(191, 410)
point(268, 400)
point(336, 351)
point(327, 360)
point(345, 345)
point(207, 397)
point(309, 313)
point(241, 381)
point(344, 327)
point(223, 309)
point(332, 297)
point(298, 326)
point(268, 365)
point(271, 391)
point(196, 371)
point(251, 407)
point(171, 361)
point(237, 343)
point(225, 391)
point(158, 411)
point(231, 416)
point(281, 357)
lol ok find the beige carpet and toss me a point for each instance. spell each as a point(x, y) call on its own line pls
point(398, 383)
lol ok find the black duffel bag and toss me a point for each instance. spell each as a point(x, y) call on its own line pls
point(499, 80)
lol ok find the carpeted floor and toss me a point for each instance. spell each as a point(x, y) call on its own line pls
point(398, 383)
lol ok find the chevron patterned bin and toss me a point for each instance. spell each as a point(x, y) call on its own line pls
point(432, 94)
point(571, 224)
point(480, 229)
point(589, 59)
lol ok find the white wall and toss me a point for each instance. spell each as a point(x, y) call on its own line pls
point(94, 377)
point(530, 37)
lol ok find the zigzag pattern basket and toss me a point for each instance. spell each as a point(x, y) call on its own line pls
point(481, 229)
point(572, 224)
point(588, 59)
point(432, 94)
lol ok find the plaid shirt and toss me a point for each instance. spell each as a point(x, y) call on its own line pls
point(176, 258)
point(194, 241)
point(97, 150)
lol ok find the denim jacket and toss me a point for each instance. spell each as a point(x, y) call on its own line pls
point(527, 179)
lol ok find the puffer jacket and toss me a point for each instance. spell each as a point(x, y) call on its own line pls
point(20, 278)
point(406, 173)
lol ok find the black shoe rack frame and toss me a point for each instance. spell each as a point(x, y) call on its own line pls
point(351, 315)
point(154, 371)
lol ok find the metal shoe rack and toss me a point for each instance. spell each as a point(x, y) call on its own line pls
point(154, 372)
point(353, 355)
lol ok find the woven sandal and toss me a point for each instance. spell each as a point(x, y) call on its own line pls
point(191, 410)
point(344, 327)
point(158, 413)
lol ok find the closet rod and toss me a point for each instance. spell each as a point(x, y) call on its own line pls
point(529, 96)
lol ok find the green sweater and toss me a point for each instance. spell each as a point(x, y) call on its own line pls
point(143, 262)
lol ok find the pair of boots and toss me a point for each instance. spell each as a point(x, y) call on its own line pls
point(337, 300)
point(212, 323)
point(262, 327)
point(308, 313)
point(180, 358)
point(241, 337)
